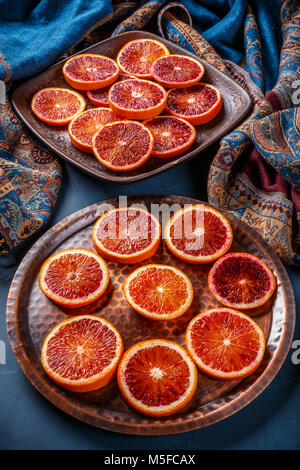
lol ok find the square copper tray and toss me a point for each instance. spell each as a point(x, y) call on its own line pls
point(236, 104)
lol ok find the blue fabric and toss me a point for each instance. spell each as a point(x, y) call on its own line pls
point(220, 22)
point(35, 34)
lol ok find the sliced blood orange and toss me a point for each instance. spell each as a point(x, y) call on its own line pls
point(100, 97)
point(177, 71)
point(198, 234)
point(172, 136)
point(73, 278)
point(137, 57)
point(127, 235)
point(241, 281)
point(90, 71)
point(122, 145)
point(197, 104)
point(157, 377)
point(137, 99)
point(225, 343)
point(159, 292)
point(83, 127)
point(82, 353)
point(57, 106)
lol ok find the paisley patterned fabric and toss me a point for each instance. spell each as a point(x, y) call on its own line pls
point(29, 182)
point(255, 173)
point(263, 188)
point(276, 137)
point(140, 17)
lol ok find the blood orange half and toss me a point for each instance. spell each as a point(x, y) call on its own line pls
point(225, 343)
point(57, 106)
point(73, 278)
point(197, 104)
point(137, 99)
point(82, 353)
point(90, 71)
point(83, 127)
point(177, 71)
point(198, 234)
point(100, 97)
point(157, 377)
point(127, 235)
point(137, 57)
point(123, 145)
point(159, 292)
point(241, 281)
point(172, 136)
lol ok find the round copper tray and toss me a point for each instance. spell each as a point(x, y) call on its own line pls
point(30, 316)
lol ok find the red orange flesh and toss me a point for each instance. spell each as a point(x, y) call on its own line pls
point(127, 235)
point(172, 136)
point(197, 104)
point(74, 277)
point(242, 281)
point(157, 377)
point(198, 234)
point(225, 343)
point(137, 57)
point(90, 71)
point(82, 353)
point(123, 145)
point(100, 97)
point(159, 292)
point(177, 71)
point(137, 99)
point(82, 128)
point(57, 106)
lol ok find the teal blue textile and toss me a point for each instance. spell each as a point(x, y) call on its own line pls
point(221, 22)
point(34, 34)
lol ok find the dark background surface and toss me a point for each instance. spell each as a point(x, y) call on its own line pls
point(28, 421)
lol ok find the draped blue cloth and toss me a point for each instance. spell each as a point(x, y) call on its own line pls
point(221, 23)
point(34, 34)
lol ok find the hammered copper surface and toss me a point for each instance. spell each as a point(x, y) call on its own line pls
point(236, 104)
point(31, 315)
